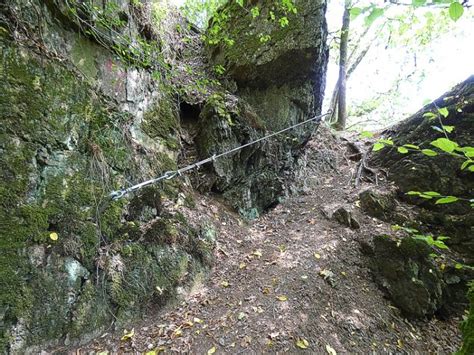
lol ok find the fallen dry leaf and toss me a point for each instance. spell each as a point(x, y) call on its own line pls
point(225, 284)
point(128, 335)
point(330, 350)
point(302, 343)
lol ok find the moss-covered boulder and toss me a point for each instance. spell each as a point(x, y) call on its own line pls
point(404, 269)
point(415, 279)
point(437, 170)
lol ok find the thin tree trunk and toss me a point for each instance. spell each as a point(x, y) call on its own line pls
point(333, 104)
point(341, 97)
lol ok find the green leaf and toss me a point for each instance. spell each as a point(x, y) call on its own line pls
point(374, 15)
point(458, 266)
point(466, 163)
point(417, 193)
point(429, 152)
point(402, 150)
point(366, 134)
point(412, 146)
point(431, 193)
point(455, 10)
point(443, 112)
point(240, 2)
point(255, 11)
point(471, 168)
point(448, 129)
point(427, 197)
point(386, 141)
point(468, 151)
point(444, 144)
point(418, 3)
point(429, 115)
point(440, 244)
point(283, 22)
point(447, 199)
point(378, 146)
point(355, 11)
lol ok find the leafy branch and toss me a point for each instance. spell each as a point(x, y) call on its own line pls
point(444, 145)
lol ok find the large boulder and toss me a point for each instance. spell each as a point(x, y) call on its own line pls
point(415, 171)
point(278, 74)
point(416, 281)
point(404, 269)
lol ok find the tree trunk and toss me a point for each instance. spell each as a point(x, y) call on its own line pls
point(341, 96)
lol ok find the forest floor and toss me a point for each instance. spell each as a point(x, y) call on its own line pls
point(292, 280)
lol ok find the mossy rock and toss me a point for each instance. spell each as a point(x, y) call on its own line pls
point(289, 52)
point(379, 204)
point(162, 121)
point(280, 82)
point(402, 267)
point(62, 152)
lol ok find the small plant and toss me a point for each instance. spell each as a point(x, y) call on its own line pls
point(444, 145)
point(264, 38)
point(219, 69)
point(437, 242)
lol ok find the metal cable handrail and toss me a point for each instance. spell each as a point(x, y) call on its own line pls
point(115, 195)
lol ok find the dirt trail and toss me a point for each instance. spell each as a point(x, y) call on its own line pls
point(292, 279)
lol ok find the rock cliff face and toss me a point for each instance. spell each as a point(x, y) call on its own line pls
point(80, 119)
point(90, 102)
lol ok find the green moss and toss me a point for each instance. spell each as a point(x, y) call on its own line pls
point(44, 187)
point(163, 231)
point(162, 122)
point(165, 163)
point(90, 314)
point(203, 244)
point(82, 55)
point(89, 243)
point(110, 219)
point(62, 151)
point(149, 272)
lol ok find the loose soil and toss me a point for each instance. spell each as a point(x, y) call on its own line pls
point(291, 279)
